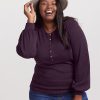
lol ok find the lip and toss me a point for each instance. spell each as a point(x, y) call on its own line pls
point(49, 12)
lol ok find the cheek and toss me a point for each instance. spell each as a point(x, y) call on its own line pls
point(56, 8)
point(42, 10)
point(55, 11)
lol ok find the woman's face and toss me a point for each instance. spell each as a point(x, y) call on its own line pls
point(48, 9)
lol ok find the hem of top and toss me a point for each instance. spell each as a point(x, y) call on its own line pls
point(51, 93)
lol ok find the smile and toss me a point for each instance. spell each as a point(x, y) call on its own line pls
point(49, 12)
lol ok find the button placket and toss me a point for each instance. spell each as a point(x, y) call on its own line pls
point(50, 50)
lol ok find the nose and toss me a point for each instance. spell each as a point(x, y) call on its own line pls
point(49, 5)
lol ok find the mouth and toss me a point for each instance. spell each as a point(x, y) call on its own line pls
point(49, 12)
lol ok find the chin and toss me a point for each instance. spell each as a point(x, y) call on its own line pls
point(49, 18)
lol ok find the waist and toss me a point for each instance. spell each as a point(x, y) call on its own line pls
point(58, 76)
point(57, 72)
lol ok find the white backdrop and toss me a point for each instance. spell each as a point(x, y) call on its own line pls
point(16, 72)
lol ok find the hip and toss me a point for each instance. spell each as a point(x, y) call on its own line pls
point(42, 96)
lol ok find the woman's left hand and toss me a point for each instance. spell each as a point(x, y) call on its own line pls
point(77, 97)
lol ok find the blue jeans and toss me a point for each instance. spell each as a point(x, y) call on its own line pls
point(40, 96)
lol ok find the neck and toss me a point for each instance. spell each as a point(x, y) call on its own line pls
point(49, 26)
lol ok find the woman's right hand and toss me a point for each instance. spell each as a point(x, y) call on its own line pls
point(31, 15)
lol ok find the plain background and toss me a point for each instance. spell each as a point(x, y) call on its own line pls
point(16, 72)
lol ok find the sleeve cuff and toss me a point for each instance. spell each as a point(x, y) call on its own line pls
point(30, 25)
point(78, 92)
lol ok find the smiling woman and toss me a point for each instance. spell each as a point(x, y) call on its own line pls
point(48, 9)
point(60, 49)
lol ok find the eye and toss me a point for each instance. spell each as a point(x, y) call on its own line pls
point(54, 3)
point(43, 3)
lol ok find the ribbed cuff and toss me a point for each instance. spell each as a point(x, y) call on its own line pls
point(30, 25)
point(78, 92)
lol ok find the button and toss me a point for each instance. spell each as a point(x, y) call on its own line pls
point(50, 50)
point(50, 56)
point(50, 39)
point(50, 34)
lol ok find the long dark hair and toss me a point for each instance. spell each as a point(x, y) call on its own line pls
point(59, 21)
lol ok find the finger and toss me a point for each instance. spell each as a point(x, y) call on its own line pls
point(27, 5)
point(31, 6)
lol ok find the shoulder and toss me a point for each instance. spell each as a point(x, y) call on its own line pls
point(69, 21)
point(72, 25)
point(73, 28)
point(67, 18)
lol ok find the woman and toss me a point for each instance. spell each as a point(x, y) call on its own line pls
point(59, 47)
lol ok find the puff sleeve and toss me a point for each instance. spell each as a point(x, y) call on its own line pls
point(81, 59)
point(27, 43)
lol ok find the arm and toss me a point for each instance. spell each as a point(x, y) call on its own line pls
point(27, 43)
point(81, 66)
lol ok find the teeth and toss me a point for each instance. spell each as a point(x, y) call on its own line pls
point(48, 11)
